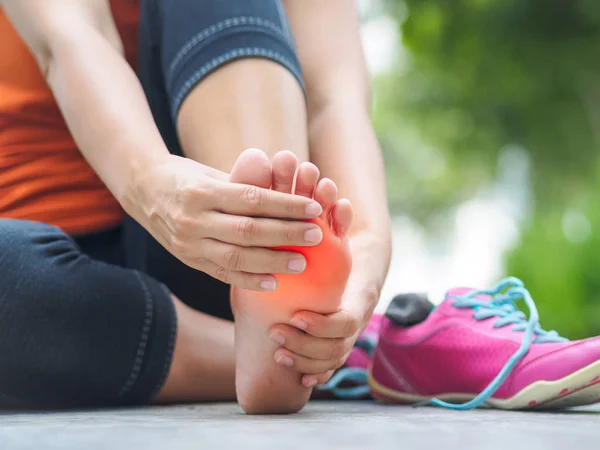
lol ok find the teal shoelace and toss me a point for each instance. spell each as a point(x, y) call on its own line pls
point(355, 376)
point(502, 305)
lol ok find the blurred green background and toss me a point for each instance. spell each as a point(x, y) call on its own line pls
point(500, 100)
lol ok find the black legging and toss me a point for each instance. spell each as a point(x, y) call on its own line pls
point(78, 328)
point(84, 321)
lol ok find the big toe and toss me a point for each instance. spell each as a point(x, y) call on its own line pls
point(284, 166)
point(252, 167)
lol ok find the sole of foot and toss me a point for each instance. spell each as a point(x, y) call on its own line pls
point(263, 385)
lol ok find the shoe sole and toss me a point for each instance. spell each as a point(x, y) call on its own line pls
point(577, 389)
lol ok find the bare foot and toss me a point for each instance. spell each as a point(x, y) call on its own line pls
point(262, 385)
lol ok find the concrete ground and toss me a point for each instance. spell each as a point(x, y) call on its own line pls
point(328, 425)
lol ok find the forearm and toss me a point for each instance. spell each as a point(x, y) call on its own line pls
point(105, 109)
point(78, 49)
point(341, 138)
point(344, 147)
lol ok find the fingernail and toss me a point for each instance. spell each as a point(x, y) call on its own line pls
point(299, 323)
point(285, 361)
point(311, 383)
point(314, 235)
point(268, 285)
point(314, 209)
point(278, 338)
point(297, 265)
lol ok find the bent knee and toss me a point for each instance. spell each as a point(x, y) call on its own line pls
point(28, 252)
point(16, 233)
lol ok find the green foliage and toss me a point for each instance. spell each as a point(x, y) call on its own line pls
point(483, 74)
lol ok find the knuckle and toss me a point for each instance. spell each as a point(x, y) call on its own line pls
point(331, 352)
point(290, 205)
point(203, 226)
point(247, 228)
point(200, 264)
point(340, 362)
point(351, 327)
point(338, 350)
point(194, 191)
point(302, 348)
point(277, 263)
point(187, 194)
point(181, 222)
point(233, 258)
point(202, 194)
point(310, 367)
point(222, 274)
point(191, 199)
point(178, 245)
point(324, 377)
point(290, 232)
point(254, 196)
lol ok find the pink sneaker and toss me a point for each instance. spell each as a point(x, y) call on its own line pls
point(477, 347)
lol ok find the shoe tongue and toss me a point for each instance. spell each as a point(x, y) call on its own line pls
point(460, 291)
point(447, 306)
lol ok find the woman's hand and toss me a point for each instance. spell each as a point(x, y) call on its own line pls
point(222, 228)
point(319, 344)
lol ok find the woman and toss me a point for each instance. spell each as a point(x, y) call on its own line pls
point(101, 311)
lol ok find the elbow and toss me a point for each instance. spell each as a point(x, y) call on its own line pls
point(64, 44)
point(356, 101)
point(42, 52)
point(352, 94)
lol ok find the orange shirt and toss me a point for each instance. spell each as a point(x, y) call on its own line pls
point(43, 176)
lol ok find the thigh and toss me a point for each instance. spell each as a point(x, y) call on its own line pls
point(76, 331)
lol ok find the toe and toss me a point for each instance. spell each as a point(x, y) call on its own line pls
point(307, 178)
point(284, 167)
point(341, 217)
point(326, 195)
point(252, 167)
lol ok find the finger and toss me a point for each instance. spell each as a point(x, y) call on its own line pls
point(337, 325)
point(252, 259)
point(306, 181)
point(242, 280)
point(326, 194)
point(259, 232)
point(246, 200)
point(305, 365)
point(303, 344)
point(284, 165)
point(322, 378)
point(216, 174)
point(317, 380)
